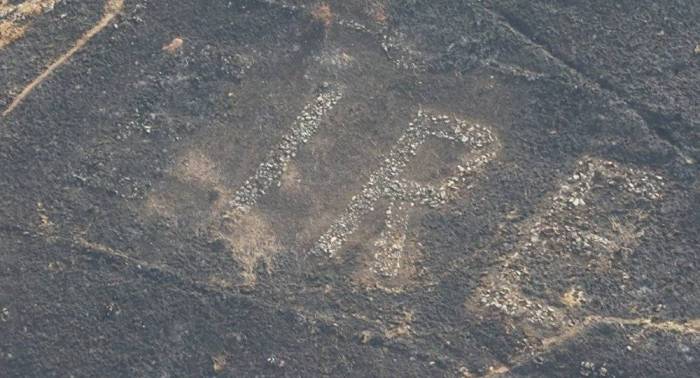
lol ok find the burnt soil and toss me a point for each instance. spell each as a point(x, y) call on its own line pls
point(108, 266)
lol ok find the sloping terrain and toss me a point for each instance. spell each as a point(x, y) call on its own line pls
point(349, 188)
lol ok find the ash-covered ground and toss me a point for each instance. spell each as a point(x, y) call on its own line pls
point(365, 188)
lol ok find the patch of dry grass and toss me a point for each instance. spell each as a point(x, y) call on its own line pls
point(10, 32)
point(322, 13)
point(251, 240)
point(174, 46)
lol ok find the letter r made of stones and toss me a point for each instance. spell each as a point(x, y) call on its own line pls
point(387, 182)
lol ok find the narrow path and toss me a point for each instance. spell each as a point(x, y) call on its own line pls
point(111, 9)
point(690, 327)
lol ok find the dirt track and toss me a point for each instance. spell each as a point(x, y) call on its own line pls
point(361, 188)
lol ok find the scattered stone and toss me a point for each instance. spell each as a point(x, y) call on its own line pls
point(365, 337)
point(371, 338)
point(219, 363)
point(464, 371)
point(111, 310)
point(589, 369)
point(276, 361)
